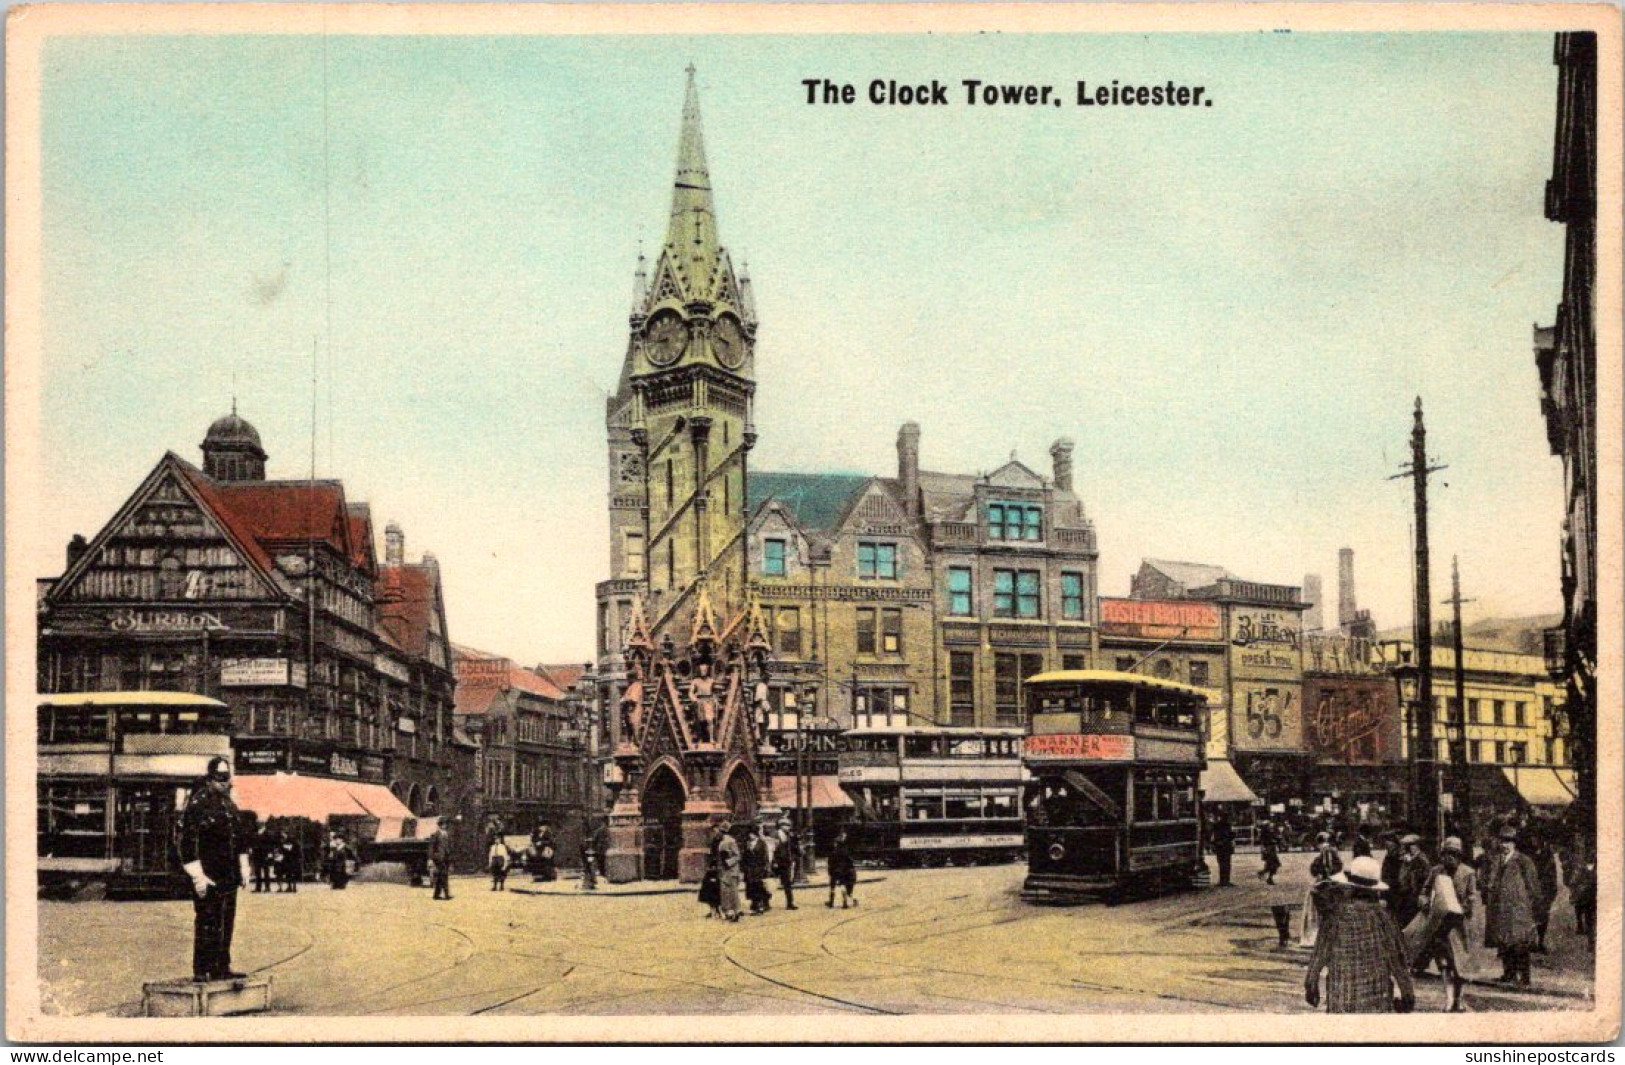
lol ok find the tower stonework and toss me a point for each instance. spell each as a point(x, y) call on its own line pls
point(674, 619)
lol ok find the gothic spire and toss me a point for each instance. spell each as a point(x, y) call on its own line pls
point(692, 245)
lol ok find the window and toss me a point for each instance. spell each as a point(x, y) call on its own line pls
point(1520, 713)
point(891, 631)
point(1517, 753)
point(1074, 662)
point(773, 558)
point(784, 709)
point(1010, 673)
point(787, 630)
point(1551, 751)
point(866, 630)
point(1015, 593)
point(1452, 708)
point(1444, 751)
point(1500, 751)
point(922, 806)
point(671, 563)
point(880, 707)
point(1499, 713)
point(1546, 707)
point(1472, 711)
point(1125, 663)
point(961, 603)
point(634, 554)
point(877, 561)
point(1072, 596)
point(1014, 521)
point(1199, 674)
point(961, 688)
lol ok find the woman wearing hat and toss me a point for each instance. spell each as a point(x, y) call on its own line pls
point(1448, 907)
point(1511, 890)
point(1317, 903)
point(1360, 950)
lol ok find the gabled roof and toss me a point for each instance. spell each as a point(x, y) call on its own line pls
point(565, 676)
point(407, 596)
point(817, 501)
point(360, 529)
point(947, 496)
point(1014, 474)
point(482, 686)
point(1191, 575)
point(280, 512)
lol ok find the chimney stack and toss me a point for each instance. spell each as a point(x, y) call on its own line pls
point(76, 548)
point(1314, 619)
point(1348, 611)
point(1060, 454)
point(394, 545)
point(908, 466)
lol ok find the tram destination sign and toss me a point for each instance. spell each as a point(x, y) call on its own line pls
point(1082, 747)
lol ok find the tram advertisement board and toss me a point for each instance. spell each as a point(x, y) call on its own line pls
point(1073, 746)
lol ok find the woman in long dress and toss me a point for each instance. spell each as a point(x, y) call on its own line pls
point(728, 874)
point(1318, 901)
point(1448, 909)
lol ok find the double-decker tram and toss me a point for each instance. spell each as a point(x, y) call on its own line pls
point(115, 769)
point(934, 796)
point(1115, 759)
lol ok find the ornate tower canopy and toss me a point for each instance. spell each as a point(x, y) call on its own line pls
point(231, 449)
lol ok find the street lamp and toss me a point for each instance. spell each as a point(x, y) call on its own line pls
point(1407, 682)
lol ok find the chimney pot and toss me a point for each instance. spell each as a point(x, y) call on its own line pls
point(394, 545)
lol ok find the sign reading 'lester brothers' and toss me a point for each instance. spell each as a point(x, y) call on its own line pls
point(1094, 748)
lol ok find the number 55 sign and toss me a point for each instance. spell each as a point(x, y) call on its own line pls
point(1270, 718)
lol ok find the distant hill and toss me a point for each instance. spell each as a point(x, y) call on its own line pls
point(1514, 635)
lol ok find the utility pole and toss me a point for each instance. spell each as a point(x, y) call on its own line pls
point(1425, 781)
point(1458, 736)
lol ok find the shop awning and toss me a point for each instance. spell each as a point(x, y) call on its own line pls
point(1542, 785)
point(317, 798)
point(826, 793)
point(1221, 783)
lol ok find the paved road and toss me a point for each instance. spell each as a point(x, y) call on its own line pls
point(926, 941)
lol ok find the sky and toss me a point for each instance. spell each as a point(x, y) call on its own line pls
point(1230, 309)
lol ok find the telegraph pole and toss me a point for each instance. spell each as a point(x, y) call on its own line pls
point(1425, 783)
point(1458, 736)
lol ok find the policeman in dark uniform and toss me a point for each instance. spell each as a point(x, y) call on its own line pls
point(211, 840)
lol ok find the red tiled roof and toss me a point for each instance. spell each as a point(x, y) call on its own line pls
point(286, 511)
point(359, 520)
point(406, 599)
point(564, 677)
point(476, 698)
point(489, 680)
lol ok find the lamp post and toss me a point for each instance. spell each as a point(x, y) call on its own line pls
point(1407, 679)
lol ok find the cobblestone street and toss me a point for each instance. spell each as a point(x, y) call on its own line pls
point(923, 941)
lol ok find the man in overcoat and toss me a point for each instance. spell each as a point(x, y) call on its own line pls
point(211, 843)
point(440, 862)
point(1511, 893)
point(1223, 844)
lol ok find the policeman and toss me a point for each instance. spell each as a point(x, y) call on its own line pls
point(210, 844)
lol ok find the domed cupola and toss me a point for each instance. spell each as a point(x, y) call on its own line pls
point(232, 451)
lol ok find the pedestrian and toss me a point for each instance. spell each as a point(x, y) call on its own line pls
point(262, 859)
point(291, 865)
point(1511, 892)
point(843, 873)
point(1223, 844)
point(1361, 847)
point(497, 859)
point(1544, 856)
point(1320, 898)
point(546, 853)
point(1410, 880)
point(1448, 907)
point(1269, 850)
point(440, 863)
point(729, 860)
point(589, 858)
point(1580, 873)
point(1282, 895)
point(784, 864)
point(338, 862)
point(757, 866)
point(711, 883)
point(210, 849)
point(1360, 950)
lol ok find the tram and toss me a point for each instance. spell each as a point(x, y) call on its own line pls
point(934, 796)
point(1115, 760)
point(115, 769)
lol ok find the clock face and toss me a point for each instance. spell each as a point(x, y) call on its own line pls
point(665, 338)
point(729, 342)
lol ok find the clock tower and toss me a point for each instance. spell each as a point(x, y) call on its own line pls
point(679, 424)
point(682, 653)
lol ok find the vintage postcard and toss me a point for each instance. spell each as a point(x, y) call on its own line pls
point(971, 522)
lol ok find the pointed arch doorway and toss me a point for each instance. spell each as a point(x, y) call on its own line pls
point(740, 795)
point(662, 808)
